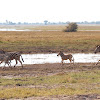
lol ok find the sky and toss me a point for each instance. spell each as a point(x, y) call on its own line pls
point(51, 10)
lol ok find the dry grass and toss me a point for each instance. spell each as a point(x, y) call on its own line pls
point(45, 41)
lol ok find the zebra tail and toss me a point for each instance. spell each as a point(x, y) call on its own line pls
point(22, 59)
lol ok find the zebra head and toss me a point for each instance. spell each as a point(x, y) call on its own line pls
point(97, 49)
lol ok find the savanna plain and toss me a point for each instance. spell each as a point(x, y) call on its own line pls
point(80, 81)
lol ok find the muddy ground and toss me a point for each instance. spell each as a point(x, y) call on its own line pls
point(46, 69)
point(50, 69)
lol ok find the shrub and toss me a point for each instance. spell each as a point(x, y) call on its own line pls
point(72, 27)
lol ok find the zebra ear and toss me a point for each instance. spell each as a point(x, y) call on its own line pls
point(60, 51)
point(97, 46)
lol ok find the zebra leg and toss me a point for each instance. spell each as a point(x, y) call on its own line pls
point(9, 63)
point(22, 59)
point(21, 63)
point(16, 63)
point(1, 62)
point(62, 62)
point(4, 65)
point(70, 61)
point(97, 62)
point(73, 61)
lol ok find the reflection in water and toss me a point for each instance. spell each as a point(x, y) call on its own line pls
point(53, 58)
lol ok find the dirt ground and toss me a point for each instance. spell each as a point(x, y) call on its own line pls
point(46, 69)
point(50, 69)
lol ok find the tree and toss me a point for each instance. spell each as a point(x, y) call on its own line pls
point(45, 22)
point(72, 27)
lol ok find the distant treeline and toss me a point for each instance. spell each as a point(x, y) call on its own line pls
point(47, 23)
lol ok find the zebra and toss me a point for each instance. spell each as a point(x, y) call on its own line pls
point(66, 57)
point(96, 51)
point(6, 59)
point(14, 55)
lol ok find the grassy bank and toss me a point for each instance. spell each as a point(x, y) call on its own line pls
point(49, 41)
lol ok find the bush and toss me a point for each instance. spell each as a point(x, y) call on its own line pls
point(72, 27)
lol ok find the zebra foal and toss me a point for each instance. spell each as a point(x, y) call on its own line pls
point(5, 58)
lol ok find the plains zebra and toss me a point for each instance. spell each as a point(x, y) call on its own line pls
point(66, 57)
point(13, 55)
point(96, 51)
point(16, 56)
point(6, 59)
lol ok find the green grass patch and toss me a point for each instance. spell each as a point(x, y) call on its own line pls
point(72, 77)
point(18, 92)
point(70, 83)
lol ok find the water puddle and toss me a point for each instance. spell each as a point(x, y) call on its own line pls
point(53, 58)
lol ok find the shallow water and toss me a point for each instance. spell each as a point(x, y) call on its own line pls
point(53, 58)
point(8, 29)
